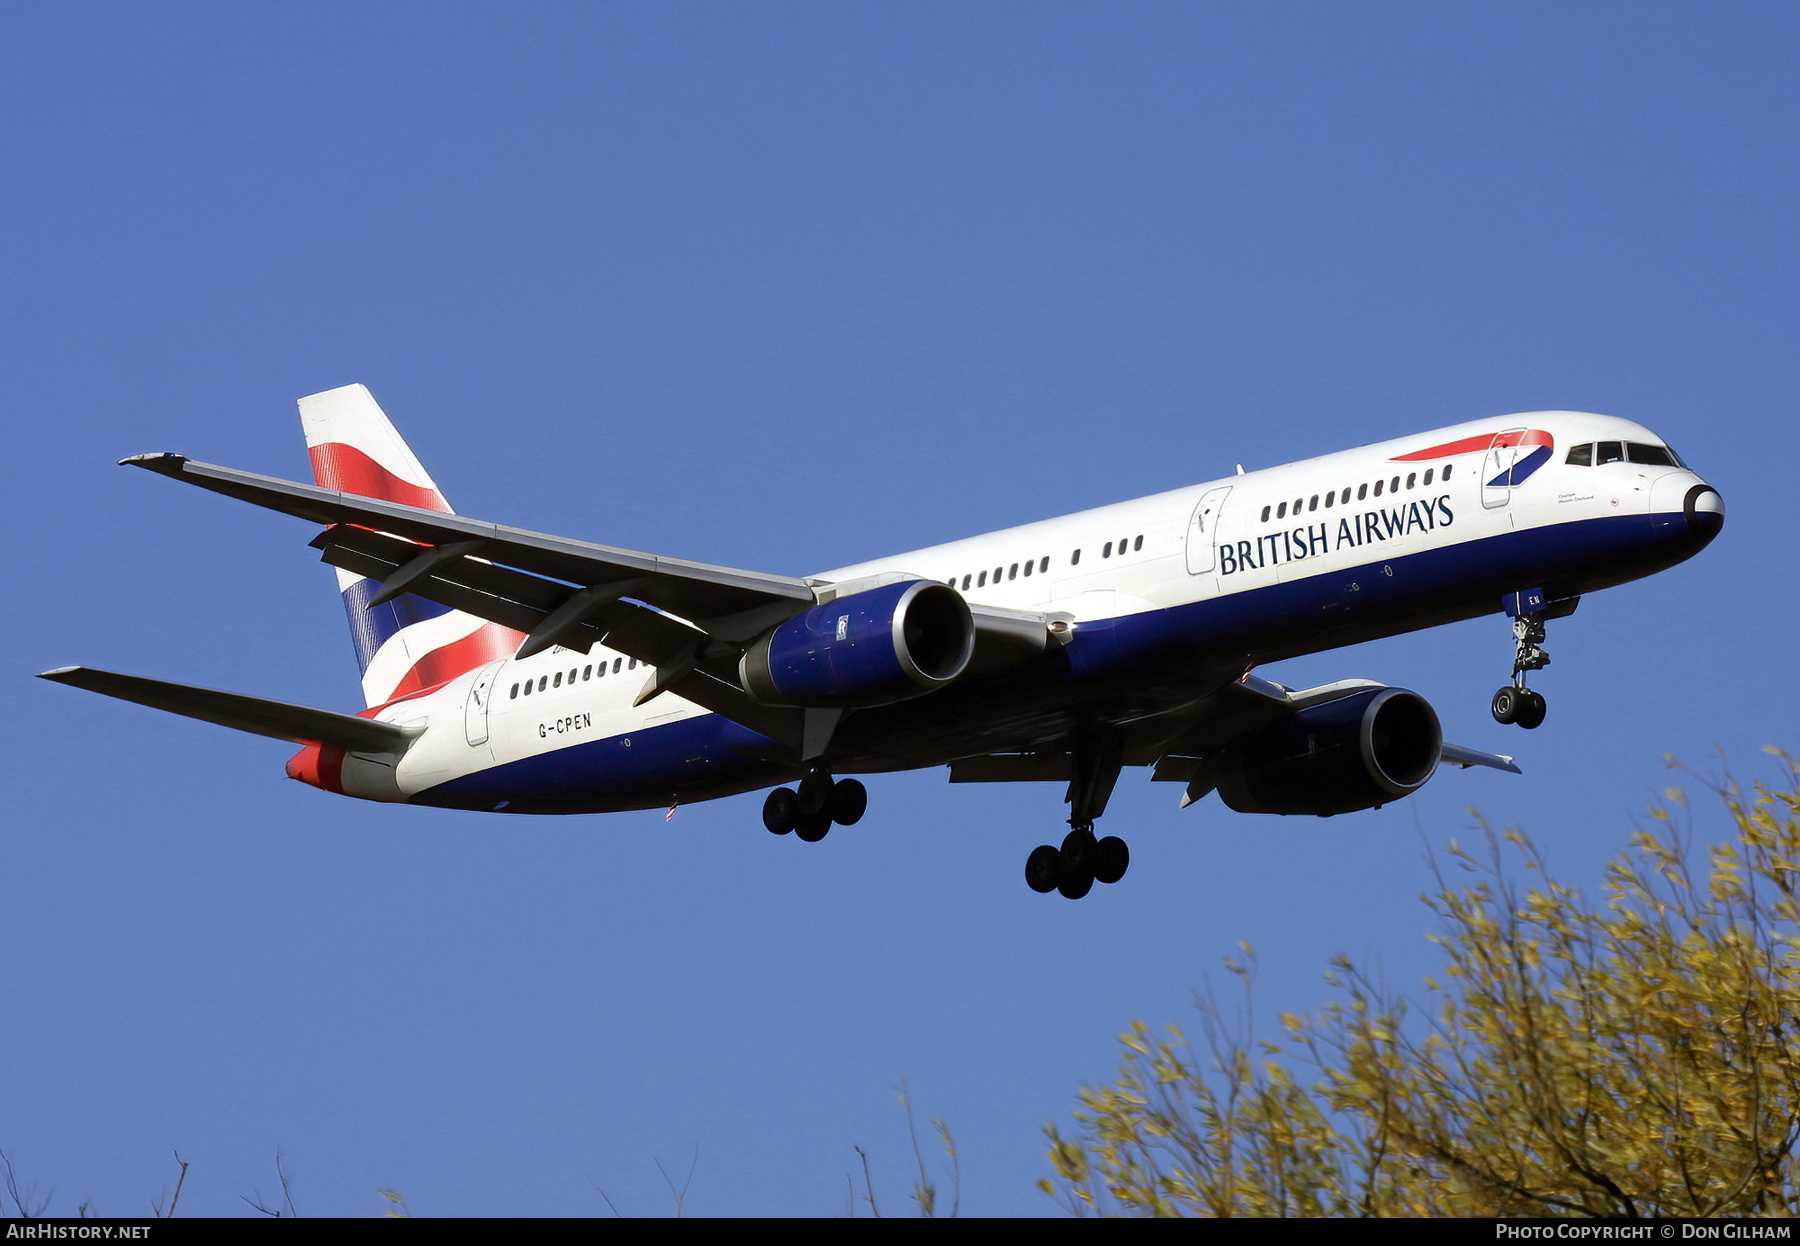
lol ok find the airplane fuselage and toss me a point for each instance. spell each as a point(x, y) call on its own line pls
point(1164, 600)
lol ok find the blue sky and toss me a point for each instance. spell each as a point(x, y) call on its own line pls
point(787, 286)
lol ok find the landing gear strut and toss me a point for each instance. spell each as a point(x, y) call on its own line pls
point(1516, 703)
point(819, 802)
point(1083, 860)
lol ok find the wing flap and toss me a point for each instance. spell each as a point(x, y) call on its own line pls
point(278, 720)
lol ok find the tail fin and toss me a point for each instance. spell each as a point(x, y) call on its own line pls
point(409, 643)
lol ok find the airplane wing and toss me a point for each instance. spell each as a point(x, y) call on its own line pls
point(278, 720)
point(1179, 754)
point(688, 620)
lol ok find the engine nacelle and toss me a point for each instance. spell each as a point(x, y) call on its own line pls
point(871, 648)
point(1354, 753)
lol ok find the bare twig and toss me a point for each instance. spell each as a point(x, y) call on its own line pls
point(681, 1194)
point(603, 1194)
point(12, 1188)
point(157, 1207)
point(868, 1185)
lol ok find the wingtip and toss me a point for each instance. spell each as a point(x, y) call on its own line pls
point(59, 674)
point(161, 461)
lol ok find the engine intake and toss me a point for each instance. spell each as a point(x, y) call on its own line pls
point(873, 648)
point(1354, 753)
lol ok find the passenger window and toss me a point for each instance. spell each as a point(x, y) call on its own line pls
point(515, 693)
point(1581, 456)
point(1394, 485)
point(997, 571)
point(965, 584)
point(1298, 502)
point(1314, 504)
point(1075, 559)
point(1265, 517)
point(1428, 472)
point(616, 662)
point(1028, 567)
point(1122, 547)
point(543, 682)
point(1362, 491)
point(600, 671)
point(1379, 486)
point(1281, 513)
point(558, 682)
point(1412, 478)
point(633, 665)
point(1447, 468)
point(1107, 552)
point(571, 676)
point(1012, 572)
point(528, 687)
point(587, 673)
point(1329, 497)
point(981, 580)
point(1137, 544)
point(1043, 564)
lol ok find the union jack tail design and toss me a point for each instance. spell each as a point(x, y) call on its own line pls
point(407, 644)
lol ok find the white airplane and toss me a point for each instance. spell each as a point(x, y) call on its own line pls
point(515, 672)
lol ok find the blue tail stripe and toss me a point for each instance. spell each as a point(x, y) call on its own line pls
point(371, 629)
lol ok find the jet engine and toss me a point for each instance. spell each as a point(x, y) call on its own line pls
point(870, 648)
point(1353, 753)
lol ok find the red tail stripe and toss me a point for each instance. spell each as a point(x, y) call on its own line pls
point(1469, 445)
point(489, 644)
point(348, 470)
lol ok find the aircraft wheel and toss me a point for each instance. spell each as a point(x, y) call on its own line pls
point(813, 829)
point(1077, 857)
point(781, 810)
point(1042, 867)
point(1506, 704)
point(1111, 859)
point(815, 793)
point(849, 801)
point(1531, 712)
point(1076, 887)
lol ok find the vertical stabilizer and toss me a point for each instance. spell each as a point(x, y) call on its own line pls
point(408, 643)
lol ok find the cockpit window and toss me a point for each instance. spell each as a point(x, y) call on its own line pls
point(1611, 452)
point(1649, 456)
point(1581, 456)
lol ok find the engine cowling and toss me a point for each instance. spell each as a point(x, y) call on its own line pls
point(1354, 753)
point(872, 648)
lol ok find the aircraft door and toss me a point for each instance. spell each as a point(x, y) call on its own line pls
point(1203, 531)
point(1497, 467)
point(475, 712)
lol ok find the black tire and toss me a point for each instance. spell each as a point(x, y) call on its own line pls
point(815, 794)
point(849, 801)
point(1111, 859)
point(781, 810)
point(1506, 705)
point(813, 829)
point(1078, 854)
point(1532, 711)
point(1075, 888)
point(1042, 868)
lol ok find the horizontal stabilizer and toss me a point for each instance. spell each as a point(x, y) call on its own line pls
point(1457, 755)
point(275, 719)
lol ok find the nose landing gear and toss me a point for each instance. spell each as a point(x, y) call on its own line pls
point(1516, 703)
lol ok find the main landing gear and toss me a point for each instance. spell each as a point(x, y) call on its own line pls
point(1083, 860)
point(819, 802)
point(1516, 703)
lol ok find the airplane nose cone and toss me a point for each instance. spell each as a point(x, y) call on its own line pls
point(1705, 510)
